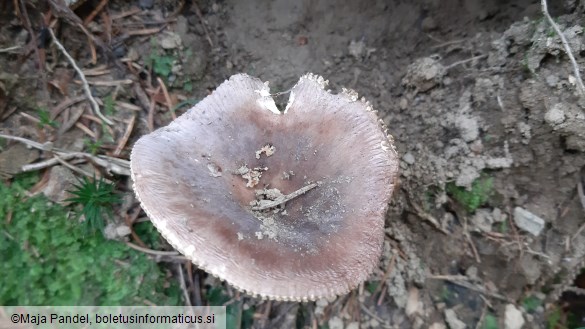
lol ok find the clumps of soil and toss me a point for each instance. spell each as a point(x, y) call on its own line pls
point(266, 149)
point(252, 176)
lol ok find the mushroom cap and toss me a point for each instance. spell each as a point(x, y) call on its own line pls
point(199, 177)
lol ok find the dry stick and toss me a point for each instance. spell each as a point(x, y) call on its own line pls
point(78, 170)
point(183, 285)
point(200, 16)
point(94, 13)
point(64, 105)
point(125, 137)
point(33, 35)
point(382, 322)
point(285, 198)
point(115, 165)
point(461, 280)
point(464, 61)
point(9, 49)
point(151, 251)
point(389, 269)
point(150, 117)
point(94, 104)
point(167, 98)
point(568, 50)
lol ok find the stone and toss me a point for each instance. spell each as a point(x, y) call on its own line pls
point(408, 158)
point(61, 180)
point(513, 318)
point(528, 221)
point(335, 323)
point(453, 321)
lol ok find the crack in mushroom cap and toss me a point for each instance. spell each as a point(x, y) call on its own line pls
point(326, 242)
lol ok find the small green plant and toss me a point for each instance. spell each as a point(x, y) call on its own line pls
point(554, 319)
point(371, 286)
point(45, 119)
point(48, 260)
point(503, 227)
point(490, 322)
point(481, 190)
point(96, 198)
point(93, 146)
point(531, 303)
point(162, 65)
point(109, 105)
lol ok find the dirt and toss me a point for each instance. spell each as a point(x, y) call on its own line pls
point(468, 89)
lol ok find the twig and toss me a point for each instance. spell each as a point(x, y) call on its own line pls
point(85, 129)
point(125, 137)
point(461, 280)
point(94, 104)
point(200, 16)
point(150, 117)
point(285, 198)
point(382, 322)
point(115, 165)
point(468, 238)
point(568, 50)
point(424, 215)
point(64, 105)
point(167, 97)
point(77, 170)
point(183, 285)
point(389, 270)
point(151, 251)
point(34, 39)
point(94, 13)
point(465, 61)
point(9, 49)
point(193, 278)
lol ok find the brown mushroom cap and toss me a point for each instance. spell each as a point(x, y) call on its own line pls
point(190, 178)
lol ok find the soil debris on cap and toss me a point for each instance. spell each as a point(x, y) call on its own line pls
point(266, 149)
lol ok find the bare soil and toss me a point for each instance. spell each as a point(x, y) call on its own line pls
point(471, 90)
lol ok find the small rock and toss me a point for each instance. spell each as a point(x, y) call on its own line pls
point(513, 317)
point(438, 325)
point(482, 220)
point(145, 4)
point(413, 304)
point(498, 216)
point(403, 104)
point(468, 128)
point(424, 74)
point(335, 323)
point(466, 176)
point(552, 80)
point(453, 321)
point(171, 40)
point(357, 49)
point(476, 147)
point(428, 24)
point(61, 180)
point(528, 221)
point(408, 158)
point(114, 231)
point(555, 115)
point(525, 131)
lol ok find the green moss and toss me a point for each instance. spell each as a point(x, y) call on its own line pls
point(481, 190)
point(48, 260)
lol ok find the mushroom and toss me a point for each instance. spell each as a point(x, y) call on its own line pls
point(284, 205)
